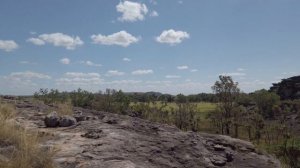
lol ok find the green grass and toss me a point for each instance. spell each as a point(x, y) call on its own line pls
point(202, 107)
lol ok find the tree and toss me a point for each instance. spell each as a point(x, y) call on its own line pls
point(265, 102)
point(227, 92)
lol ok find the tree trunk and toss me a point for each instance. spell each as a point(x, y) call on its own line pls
point(236, 130)
point(227, 129)
point(249, 133)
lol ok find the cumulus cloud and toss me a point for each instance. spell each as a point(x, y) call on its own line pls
point(36, 41)
point(173, 76)
point(121, 38)
point(183, 67)
point(114, 73)
point(172, 37)
point(126, 59)
point(131, 11)
point(65, 61)
point(142, 72)
point(57, 39)
point(79, 79)
point(154, 14)
point(8, 45)
point(194, 70)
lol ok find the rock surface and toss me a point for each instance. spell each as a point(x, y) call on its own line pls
point(52, 120)
point(115, 141)
point(66, 121)
point(288, 88)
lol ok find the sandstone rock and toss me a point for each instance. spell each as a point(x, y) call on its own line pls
point(288, 88)
point(66, 121)
point(219, 147)
point(80, 118)
point(218, 160)
point(52, 119)
point(115, 141)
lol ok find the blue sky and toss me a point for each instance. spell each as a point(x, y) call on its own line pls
point(171, 46)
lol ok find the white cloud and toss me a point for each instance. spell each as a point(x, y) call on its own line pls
point(158, 82)
point(114, 73)
point(57, 39)
point(173, 76)
point(241, 69)
point(154, 2)
point(194, 70)
point(126, 59)
point(182, 67)
point(90, 63)
point(36, 41)
point(254, 85)
point(8, 45)
point(79, 79)
point(121, 38)
point(65, 61)
point(28, 75)
point(172, 37)
point(142, 72)
point(154, 14)
point(80, 75)
point(27, 62)
point(25, 82)
point(125, 82)
point(233, 74)
point(132, 11)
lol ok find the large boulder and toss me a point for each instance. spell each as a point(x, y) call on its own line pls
point(66, 121)
point(52, 119)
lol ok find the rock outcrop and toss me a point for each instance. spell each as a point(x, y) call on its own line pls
point(116, 141)
point(288, 88)
point(53, 120)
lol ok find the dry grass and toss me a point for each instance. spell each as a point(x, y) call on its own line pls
point(7, 111)
point(23, 150)
point(64, 108)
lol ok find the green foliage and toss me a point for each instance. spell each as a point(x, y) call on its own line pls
point(180, 98)
point(81, 98)
point(111, 101)
point(52, 96)
point(227, 92)
point(265, 102)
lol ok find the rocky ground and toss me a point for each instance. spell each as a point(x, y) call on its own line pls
point(105, 140)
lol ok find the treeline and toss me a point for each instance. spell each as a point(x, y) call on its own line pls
point(83, 98)
point(151, 106)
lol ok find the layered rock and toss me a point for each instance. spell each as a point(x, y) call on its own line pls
point(288, 88)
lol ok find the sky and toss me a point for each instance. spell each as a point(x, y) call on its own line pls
point(170, 46)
